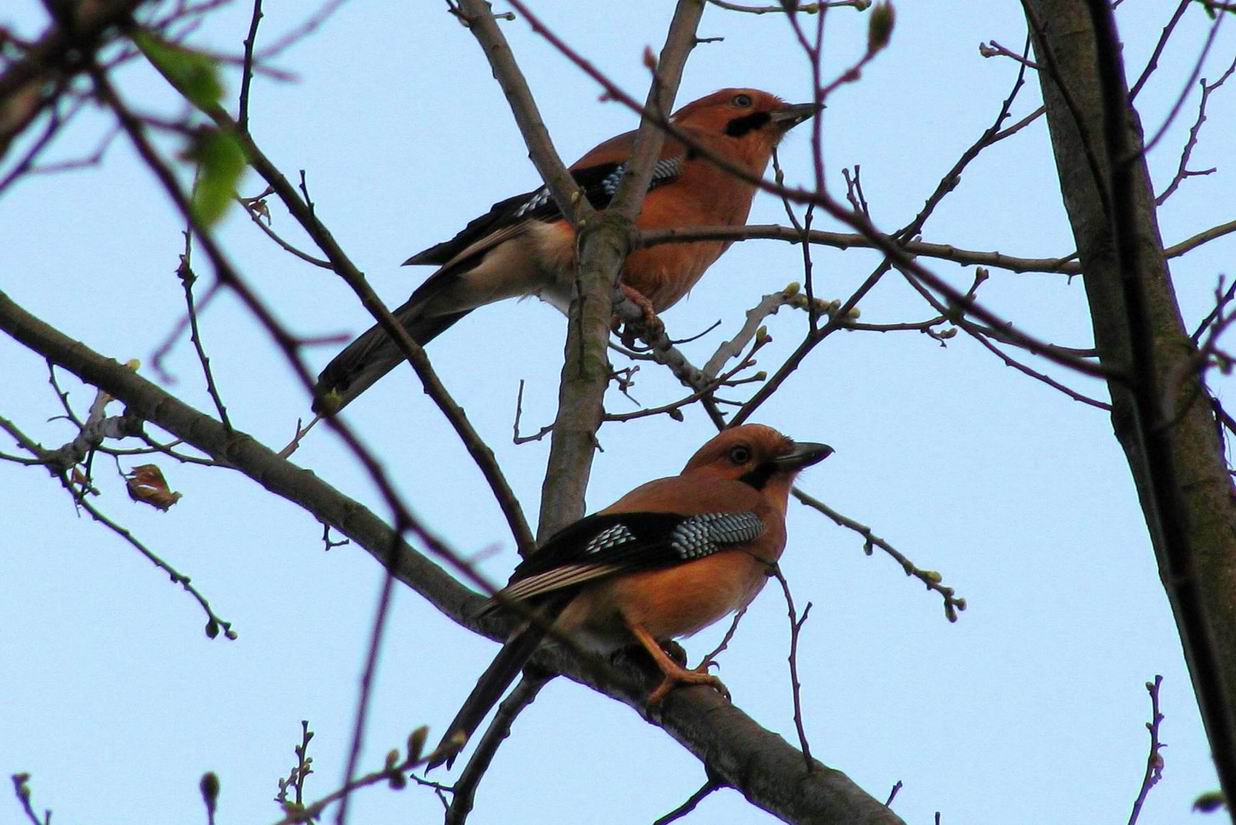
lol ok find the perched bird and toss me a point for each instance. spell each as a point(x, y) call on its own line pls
point(523, 246)
point(666, 560)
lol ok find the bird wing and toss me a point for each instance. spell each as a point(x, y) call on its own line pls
point(610, 543)
point(599, 182)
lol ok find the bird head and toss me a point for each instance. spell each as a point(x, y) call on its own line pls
point(757, 455)
point(746, 122)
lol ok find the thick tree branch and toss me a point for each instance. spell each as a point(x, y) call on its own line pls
point(1174, 453)
point(760, 764)
point(305, 214)
point(603, 243)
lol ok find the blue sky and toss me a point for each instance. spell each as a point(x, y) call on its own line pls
point(1029, 709)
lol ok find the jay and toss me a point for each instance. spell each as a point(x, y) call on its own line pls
point(667, 559)
point(524, 246)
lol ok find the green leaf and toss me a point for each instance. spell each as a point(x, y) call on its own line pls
point(193, 74)
point(220, 161)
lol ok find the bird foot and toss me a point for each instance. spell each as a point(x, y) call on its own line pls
point(651, 323)
point(675, 651)
point(683, 676)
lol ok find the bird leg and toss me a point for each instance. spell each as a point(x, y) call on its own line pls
point(650, 320)
point(675, 651)
point(675, 674)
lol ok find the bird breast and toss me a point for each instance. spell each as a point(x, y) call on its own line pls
point(669, 602)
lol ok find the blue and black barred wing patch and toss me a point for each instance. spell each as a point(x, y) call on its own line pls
point(605, 545)
point(599, 183)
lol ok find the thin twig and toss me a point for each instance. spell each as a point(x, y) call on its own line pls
point(993, 49)
point(256, 212)
point(1182, 170)
point(295, 780)
point(983, 334)
point(54, 462)
point(711, 657)
point(392, 773)
point(741, 751)
point(1153, 62)
point(694, 799)
point(1184, 93)
point(919, 249)
point(767, 306)
point(301, 432)
point(796, 626)
point(21, 788)
point(499, 729)
point(361, 714)
point(303, 211)
point(300, 32)
point(246, 74)
point(786, 8)
point(187, 278)
point(519, 414)
point(169, 341)
point(1154, 760)
point(930, 578)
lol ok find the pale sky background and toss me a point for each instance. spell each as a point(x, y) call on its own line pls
point(1030, 709)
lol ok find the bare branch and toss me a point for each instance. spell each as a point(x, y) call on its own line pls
point(21, 788)
point(738, 750)
point(305, 215)
point(602, 243)
point(1153, 62)
point(187, 278)
point(850, 240)
point(1154, 760)
point(930, 578)
point(499, 729)
point(1162, 461)
point(993, 49)
point(55, 462)
point(1183, 171)
point(694, 799)
point(796, 626)
point(797, 8)
point(732, 348)
point(246, 74)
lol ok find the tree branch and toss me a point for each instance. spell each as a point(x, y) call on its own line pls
point(760, 764)
point(1174, 455)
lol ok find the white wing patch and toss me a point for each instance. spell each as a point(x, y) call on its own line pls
point(663, 171)
point(611, 536)
point(535, 202)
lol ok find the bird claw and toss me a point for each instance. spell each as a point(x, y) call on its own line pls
point(653, 327)
point(695, 676)
point(676, 652)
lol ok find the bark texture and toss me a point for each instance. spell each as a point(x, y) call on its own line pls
point(1160, 411)
point(758, 763)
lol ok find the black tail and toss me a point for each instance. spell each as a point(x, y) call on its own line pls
point(489, 689)
point(373, 355)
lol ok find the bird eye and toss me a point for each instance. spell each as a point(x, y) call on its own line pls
point(742, 101)
point(740, 455)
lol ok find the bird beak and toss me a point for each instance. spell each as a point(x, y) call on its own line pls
point(804, 454)
point(794, 114)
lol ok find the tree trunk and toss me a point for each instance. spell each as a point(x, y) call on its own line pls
point(1160, 410)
